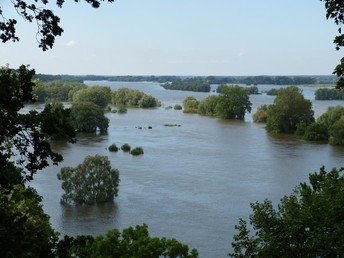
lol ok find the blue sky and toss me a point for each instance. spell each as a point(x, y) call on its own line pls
point(183, 37)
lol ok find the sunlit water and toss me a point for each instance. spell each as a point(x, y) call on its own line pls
point(195, 181)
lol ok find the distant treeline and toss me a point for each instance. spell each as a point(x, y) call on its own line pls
point(198, 86)
point(329, 94)
point(248, 80)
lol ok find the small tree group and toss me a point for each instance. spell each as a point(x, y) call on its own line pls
point(232, 103)
point(291, 113)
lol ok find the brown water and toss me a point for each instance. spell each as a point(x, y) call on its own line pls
point(194, 181)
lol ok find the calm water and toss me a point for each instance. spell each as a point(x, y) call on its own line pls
point(194, 181)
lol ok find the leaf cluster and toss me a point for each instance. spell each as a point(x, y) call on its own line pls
point(132, 242)
point(308, 223)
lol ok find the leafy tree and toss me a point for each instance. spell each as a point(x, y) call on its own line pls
point(47, 22)
point(137, 151)
point(328, 94)
point(20, 134)
point(113, 148)
point(177, 107)
point(208, 105)
point(333, 119)
point(93, 181)
point(125, 97)
point(261, 114)
point(132, 242)
point(99, 95)
point(190, 104)
point(317, 131)
point(335, 11)
point(308, 223)
point(233, 102)
point(125, 147)
point(88, 117)
point(56, 90)
point(57, 121)
point(336, 132)
point(25, 228)
point(289, 109)
point(198, 86)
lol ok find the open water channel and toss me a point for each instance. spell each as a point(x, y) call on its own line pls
point(195, 181)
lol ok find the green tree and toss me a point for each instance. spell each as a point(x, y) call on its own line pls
point(333, 120)
point(208, 105)
point(132, 242)
point(99, 95)
point(190, 104)
point(308, 223)
point(25, 230)
point(20, 132)
point(317, 131)
point(57, 121)
point(48, 24)
point(88, 117)
point(261, 114)
point(233, 102)
point(335, 11)
point(92, 181)
point(288, 110)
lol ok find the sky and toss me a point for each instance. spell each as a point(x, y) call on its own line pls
point(182, 37)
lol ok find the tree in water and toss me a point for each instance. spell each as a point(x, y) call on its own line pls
point(93, 181)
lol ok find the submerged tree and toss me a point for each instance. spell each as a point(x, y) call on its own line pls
point(289, 109)
point(93, 181)
point(233, 102)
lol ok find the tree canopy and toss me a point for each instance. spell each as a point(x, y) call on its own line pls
point(308, 223)
point(88, 117)
point(335, 11)
point(24, 135)
point(233, 102)
point(93, 181)
point(132, 242)
point(289, 109)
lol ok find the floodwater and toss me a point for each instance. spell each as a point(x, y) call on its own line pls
point(195, 181)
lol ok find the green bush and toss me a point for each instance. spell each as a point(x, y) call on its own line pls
point(137, 151)
point(126, 147)
point(113, 148)
point(177, 107)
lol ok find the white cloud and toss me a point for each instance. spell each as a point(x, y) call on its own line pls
point(71, 43)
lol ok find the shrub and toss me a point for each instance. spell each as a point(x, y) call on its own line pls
point(126, 147)
point(177, 107)
point(261, 115)
point(113, 148)
point(137, 151)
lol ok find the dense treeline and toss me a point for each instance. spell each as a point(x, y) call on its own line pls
point(198, 86)
point(329, 94)
point(253, 90)
point(249, 80)
point(292, 113)
point(125, 97)
point(57, 90)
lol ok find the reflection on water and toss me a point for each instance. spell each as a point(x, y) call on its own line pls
point(86, 219)
point(194, 181)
